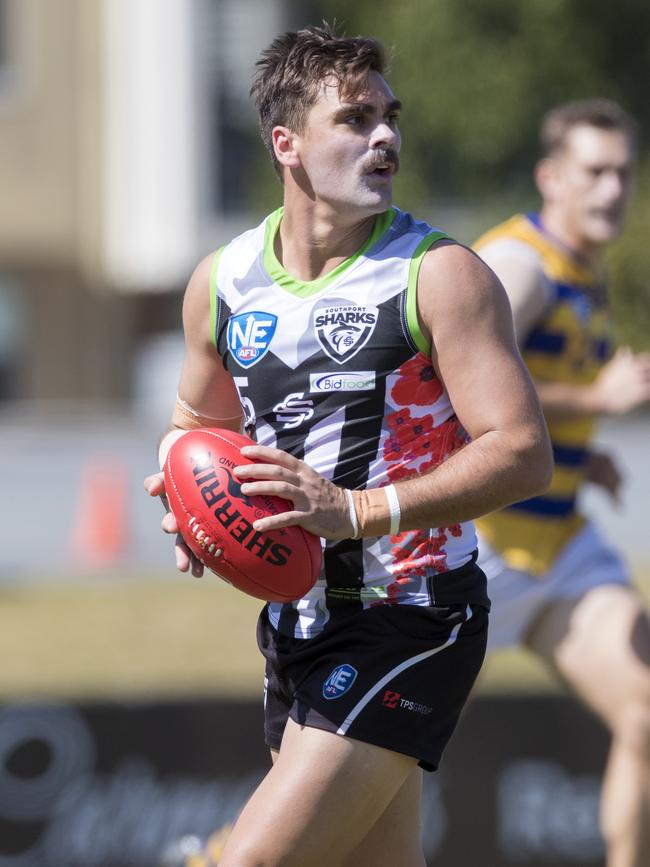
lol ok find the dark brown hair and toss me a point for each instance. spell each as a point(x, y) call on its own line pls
point(600, 113)
point(291, 71)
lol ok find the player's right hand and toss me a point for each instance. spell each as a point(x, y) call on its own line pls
point(154, 485)
point(623, 383)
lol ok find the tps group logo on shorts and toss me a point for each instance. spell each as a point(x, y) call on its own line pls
point(249, 336)
point(394, 701)
point(339, 681)
point(391, 698)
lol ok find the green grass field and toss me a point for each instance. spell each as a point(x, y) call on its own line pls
point(133, 637)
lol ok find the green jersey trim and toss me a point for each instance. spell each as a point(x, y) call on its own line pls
point(214, 295)
point(305, 289)
point(412, 322)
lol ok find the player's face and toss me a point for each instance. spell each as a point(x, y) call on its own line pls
point(349, 147)
point(593, 184)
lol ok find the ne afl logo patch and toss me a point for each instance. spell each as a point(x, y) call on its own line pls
point(344, 328)
point(249, 336)
point(339, 681)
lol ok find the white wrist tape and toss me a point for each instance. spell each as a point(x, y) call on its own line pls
point(395, 511)
point(166, 443)
point(353, 514)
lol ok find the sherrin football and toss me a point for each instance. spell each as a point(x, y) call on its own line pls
point(213, 514)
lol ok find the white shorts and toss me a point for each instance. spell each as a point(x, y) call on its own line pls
point(517, 597)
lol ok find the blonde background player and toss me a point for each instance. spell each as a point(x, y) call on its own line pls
point(555, 585)
point(365, 349)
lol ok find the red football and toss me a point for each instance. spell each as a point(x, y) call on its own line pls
point(213, 514)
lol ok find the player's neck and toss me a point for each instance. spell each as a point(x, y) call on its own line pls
point(559, 229)
point(313, 239)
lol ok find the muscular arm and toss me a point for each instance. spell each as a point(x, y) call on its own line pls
point(206, 393)
point(204, 383)
point(623, 383)
point(206, 389)
point(466, 312)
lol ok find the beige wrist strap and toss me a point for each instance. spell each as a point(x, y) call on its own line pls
point(186, 417)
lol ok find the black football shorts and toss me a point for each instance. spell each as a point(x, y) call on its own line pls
point(396, 676)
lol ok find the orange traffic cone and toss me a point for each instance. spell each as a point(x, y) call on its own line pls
point(99, 536)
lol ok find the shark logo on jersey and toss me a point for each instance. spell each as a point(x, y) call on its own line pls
point(249, 336)
point(344, 328)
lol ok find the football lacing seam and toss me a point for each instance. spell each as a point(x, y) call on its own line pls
point(202, 537)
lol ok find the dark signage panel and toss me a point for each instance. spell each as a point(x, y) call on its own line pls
point(128, 785)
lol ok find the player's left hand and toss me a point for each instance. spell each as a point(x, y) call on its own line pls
point(319, 505)
point(602, 471)
point(154, 485)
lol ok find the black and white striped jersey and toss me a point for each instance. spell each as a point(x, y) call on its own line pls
point(337, 372)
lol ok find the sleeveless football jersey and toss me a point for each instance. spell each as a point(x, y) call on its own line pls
point(336, 372)
point(570, 344)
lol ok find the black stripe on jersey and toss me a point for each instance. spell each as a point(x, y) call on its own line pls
point(343, 560)
point(362, 424)
point(287, 441)
point(220, 326)
point(404, 320)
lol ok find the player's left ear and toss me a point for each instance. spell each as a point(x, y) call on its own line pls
point(284, 146)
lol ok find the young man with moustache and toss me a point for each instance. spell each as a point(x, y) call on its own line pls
point(374, 362)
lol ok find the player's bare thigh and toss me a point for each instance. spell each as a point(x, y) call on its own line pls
point(322, 797)
point(396, 837)
point(600, 645)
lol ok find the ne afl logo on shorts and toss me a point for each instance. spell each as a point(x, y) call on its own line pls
point(339, 681)
point(249, 336)
point(344, 329)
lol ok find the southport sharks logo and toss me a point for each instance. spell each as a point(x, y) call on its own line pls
point(344, 328)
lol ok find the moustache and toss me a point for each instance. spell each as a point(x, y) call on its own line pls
point(382, 157)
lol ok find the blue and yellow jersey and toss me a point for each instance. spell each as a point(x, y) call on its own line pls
point(569, 345)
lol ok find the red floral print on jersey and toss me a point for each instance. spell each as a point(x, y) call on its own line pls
point(416, 552)
point(417, 555)
point(399, 420)
point(409, 436)
point(446, 439)
point(398, 588)
point(400, 472)
point(414, 446)
point(417, 384)
point(418, 438)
